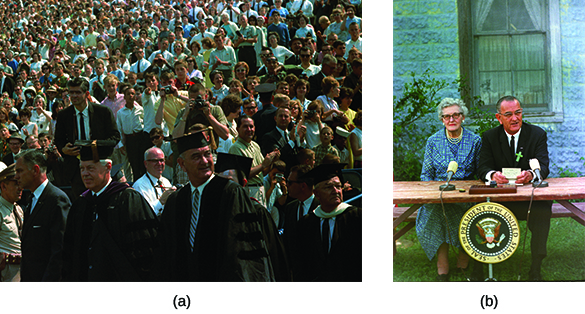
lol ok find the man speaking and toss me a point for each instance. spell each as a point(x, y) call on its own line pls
point(512, 145)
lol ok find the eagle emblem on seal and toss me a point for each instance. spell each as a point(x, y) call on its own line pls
point(489, 232)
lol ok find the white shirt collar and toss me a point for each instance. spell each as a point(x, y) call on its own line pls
point(202, 186)
point(37, 193)
point(105, 186)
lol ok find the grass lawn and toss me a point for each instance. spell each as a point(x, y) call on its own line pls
point(565, 260)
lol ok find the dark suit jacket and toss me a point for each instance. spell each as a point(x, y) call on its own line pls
point(42, 236)
point(8, 86)
point(273, 140)
point(291, 212)
point(8, 159)
point(495, 151)
point(344, 260)
point(102, 127)
point(315, 86)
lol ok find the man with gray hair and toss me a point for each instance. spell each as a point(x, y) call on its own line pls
point(44, 219)
point(111, 230)
point(152, 185)
point(327, 67)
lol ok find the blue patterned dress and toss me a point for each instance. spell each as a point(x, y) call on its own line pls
point(430, 222)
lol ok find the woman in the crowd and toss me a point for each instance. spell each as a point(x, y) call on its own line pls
point(241, 70)
point(436, 227)
point(219, 89)
point(305, 29)
point(40, 116)
point(280, 52)
point(330, 87)
point(302, 88)
point(192, 70)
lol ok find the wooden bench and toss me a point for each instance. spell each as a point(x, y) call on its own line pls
point(558, 211)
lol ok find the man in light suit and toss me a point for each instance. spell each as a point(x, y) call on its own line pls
point(512, 145)
point(44, 219)
point(97, 122)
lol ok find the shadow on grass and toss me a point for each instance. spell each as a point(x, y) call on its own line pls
point(565, 261)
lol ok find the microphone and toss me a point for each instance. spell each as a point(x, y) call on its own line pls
point(535, 166)
point(451, 169)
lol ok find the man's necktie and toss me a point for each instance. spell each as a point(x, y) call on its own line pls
point(18, 220)
point(81, 127)
point(194, 215)
point(325, 235)
point(512, 147)
point(138, 66)
point(301, 210)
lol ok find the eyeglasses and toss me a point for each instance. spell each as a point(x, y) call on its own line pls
point(302, 56)
point(155, 137)
point(264, 55)
point(241, 70)
point(509, 114)
point(161, 160)
point(448, 117)
point(250, 107)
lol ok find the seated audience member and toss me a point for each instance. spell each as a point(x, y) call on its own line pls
point(434, 230)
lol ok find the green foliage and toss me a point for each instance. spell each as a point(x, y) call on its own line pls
point(414, 120)
point(411, 110)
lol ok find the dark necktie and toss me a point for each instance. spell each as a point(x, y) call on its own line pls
point(301, 210)
point(82, 127)
point(138, 66)
point(325, 235)
point(512, 147)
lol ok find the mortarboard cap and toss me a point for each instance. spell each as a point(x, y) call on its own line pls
point(95, 149)
point(7, 173)
point(231, 161)
point(325, 172)
point(265, 88)
point(196, 139)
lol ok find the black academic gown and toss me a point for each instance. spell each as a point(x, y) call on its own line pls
point(230, 241)
point(110, 237)
point(344, 260)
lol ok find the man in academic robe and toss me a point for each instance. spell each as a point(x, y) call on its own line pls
point(512, 145)
point(328, 244)
point(111, 231)
point(209, 228)
point(237, 168)
point(44, 219)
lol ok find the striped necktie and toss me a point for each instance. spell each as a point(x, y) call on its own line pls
point(194, 216)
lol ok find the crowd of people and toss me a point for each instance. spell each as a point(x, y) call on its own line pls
point(230, 120)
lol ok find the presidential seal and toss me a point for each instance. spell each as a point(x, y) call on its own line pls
point(489, 233)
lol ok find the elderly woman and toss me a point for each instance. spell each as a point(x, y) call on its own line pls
point(451, 143)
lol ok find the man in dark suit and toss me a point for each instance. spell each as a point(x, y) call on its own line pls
point(282, 139)
point(6, 83)
point(82, 121)
point(44, 219)
point(305, 202)
point(512, 145)
point(15, 142)
point(327, 67)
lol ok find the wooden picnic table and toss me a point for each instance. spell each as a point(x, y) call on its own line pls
point(419, 193)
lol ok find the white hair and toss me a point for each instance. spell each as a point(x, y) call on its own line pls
point(448, 102)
